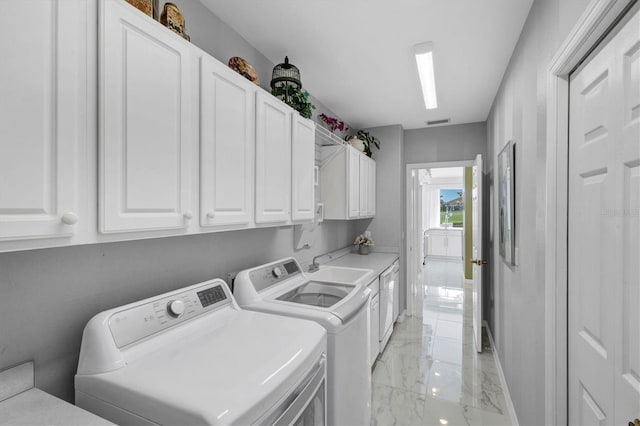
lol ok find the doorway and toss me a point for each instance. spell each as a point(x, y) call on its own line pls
point(437, 229)
point(604, 231)
point(576, 189)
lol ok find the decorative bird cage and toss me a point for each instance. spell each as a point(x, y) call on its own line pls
point(285, 79)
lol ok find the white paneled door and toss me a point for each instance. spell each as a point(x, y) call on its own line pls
point(477, 260)
point(227, 140)
point(604, 233)
point(42, 117)
point(145, 132)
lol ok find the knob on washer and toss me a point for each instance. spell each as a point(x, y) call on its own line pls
point(277, 272)
point(175, 308)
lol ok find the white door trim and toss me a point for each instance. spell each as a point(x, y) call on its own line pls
point(407, 228)
point(591, 26)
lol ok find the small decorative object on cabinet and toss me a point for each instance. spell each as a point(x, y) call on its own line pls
point(145, 6)
point(287, 86)
point(333, 123)
point(357, 143)
point(368, 139)
point(286, 76)
point(172, 18)
point(245, 69)
point(364, 241)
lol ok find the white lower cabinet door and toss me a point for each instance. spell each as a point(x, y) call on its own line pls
point(303, 156)
point(273, 160)
point(42, 118)
point(145, 135)
point(375, 329)
point(227, 140)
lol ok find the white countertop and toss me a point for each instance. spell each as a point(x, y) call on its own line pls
point(35, 407)
point(23, 404)
point(378, 262)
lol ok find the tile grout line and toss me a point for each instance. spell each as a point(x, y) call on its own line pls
point(505, 389)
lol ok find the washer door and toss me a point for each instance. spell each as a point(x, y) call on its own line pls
point(324, 295)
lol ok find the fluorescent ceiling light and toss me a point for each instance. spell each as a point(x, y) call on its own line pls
point(424, 60)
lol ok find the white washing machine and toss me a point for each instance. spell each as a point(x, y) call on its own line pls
point(192, 356)
point(282, 288)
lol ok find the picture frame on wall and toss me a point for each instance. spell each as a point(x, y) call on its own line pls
point(506, 203)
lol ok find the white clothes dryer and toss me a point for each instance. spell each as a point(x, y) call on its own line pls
point(343, 310)
point(192, 356)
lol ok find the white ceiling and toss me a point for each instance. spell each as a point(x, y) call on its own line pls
point(356, 56)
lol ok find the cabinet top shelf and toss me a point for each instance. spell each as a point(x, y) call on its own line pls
point(326, 138)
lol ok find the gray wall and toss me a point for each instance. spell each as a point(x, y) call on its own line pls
point(445, 143)
point(47, 296)
point(519, 113)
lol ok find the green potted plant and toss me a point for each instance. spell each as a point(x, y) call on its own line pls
point(368, 139)
point(295, 98)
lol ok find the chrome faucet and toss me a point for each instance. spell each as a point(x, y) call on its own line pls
point(314, 265)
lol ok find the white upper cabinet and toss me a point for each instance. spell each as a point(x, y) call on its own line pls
point(227, 140)
point(42, 120)
point(273, 160)
point(353, 183)
point(145, 132)
point(303, 154)
point(364, 186)
point(347, 183)
point(371, 211)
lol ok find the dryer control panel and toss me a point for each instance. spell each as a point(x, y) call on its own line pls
point(266, 276)
point(156, 314)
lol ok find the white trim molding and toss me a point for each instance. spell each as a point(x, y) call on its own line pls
point(503, 381)
point(599, 15)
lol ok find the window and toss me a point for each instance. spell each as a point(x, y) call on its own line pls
point(452, 207)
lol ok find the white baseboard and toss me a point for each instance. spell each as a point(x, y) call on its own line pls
point(402, 316)
point(505, 389)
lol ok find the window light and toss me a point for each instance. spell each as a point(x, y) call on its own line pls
point(424, 60)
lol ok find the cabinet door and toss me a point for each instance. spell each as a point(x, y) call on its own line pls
point(353, 185)
point(374, 329)
point(454, 244)
point(364, 186)
point(438, 246)
point(41, 117)
point(227, 143)
point(144, 131)
point(372, 188)
point(273, 160)
point(303, 157)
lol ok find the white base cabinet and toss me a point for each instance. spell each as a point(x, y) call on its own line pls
point(374, 321)
point(347, 182)
point(444, 243)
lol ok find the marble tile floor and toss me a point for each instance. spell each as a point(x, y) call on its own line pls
point(430, 372)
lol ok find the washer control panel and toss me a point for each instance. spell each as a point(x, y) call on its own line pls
point(130, 325)
point(266, 276)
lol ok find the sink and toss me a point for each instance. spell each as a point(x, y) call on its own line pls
point(341, 275)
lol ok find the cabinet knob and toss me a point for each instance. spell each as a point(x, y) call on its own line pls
point(69, 218)
point(210, 215)
point(188, 215)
